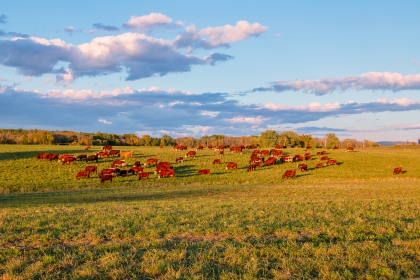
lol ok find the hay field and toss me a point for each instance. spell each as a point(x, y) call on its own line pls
point(355, 220)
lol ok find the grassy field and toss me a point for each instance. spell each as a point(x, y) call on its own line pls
point(355, 220)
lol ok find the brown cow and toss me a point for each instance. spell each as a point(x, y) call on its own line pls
point(87, 148)
point(191, 154)
point(302, 167)
point(61, 158)
point(331, 162)
point(114, 153)
point(135, 170)
point(108, 171)
point(350, 149)
point(398, 170)
point(308, 147)
point(106, 148)
point(298, 158)
point(324, 158)
point(83, 174)
point(216, 161)
point(137, 163)
point(323, 152)
point(42, 156)
point(151, 161)
point(92, 158)
point(84, 157)
point(180, 147)
point(143, 175)
point(286, 159)
point(289, 174)
point(127, 154)
point(270, 161)
point(162, 166)
point(200, 148)
point(264, 152)
point(106, 177)
point(179, 159)
point(52, 156)
point(236, 150)
point(319, 165)
point(102, 154)
point(91, 169)
point(231, 165)
point(167, 173)
point(204, 172)
point(221, 153)
point(68, 160)
point(335, 148)
point(308, 157)
point(252, 167)
point(118, 163)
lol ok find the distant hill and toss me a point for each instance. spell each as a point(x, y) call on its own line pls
point(391, 143)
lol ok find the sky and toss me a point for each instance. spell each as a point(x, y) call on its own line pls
point(194, 68)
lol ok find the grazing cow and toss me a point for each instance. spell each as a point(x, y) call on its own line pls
point(92, 158)
point(52, 156)
point(107, 171)
point(216, 161)
point(191, 154)
point(236, 150)
point(118, 163)
point(279, 147)
point(204, 172)
point(323, 152)
point(83, 174)
point(255, 159)
point(331, 162)
point(179, 147)
point(298, 158)
point(127, 154)
point(210, 147)
point(68, 160)
point(200, 148)
point(151, 161)
point(106, 148)
point(276, 153)
point(124, 173)
point(102, 154)
point(252, 167)
point(143, 175)
point(61, 158)
point(286, 159)
point(167, 173)
point(221, 153)
point(270, 161)
point(106, 177)
point(398, 170)
point(302, 167)
point(137, 163)
point(264, 152)
point(319, 165)
point(308, 147)
point(114, 153)
point(307, 154)
point(350, 149)
point(335, 148)
point(324, 158)
point(87, 148)
point(289, 174)
point(162, 166)
point(308, 157)
point(91, 169)
point(179, 159)
point(318, 153)
point(84, 157)
point(231, 165)
point(135, 170)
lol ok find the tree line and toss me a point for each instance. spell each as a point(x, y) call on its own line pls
point(268, 138)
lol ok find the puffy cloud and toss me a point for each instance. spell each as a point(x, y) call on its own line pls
point(65, 79)
point(105, 27)
point(148, 22)
point(104, 121)
point(365, 81)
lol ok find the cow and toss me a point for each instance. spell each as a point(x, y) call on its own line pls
point(286, 159)
point(109, 171)
point(68, 160)
point(308, 147)
point(264, 152)
point(160, 147)
point(302, 167)
point(319, 165)
point(324, 158)
point(137, 163)
point(106, 148)
point(114, 153)
point(91, 169)
point(221, 153)
point(204, 172)
point(143, 175)
point(335, 148)
point(298, 158)
point(220, 148)
point(127, 154)
point(124, 173)
point(216, 161)
point(255, 159)
point(102, 154)
point(331, 162)
point(87, 148)
point(318, 153)
point(84, 157)
point(191, 154)
point(231, 165)
point(210, 147)
point(179, 159)
point(162, 166)
point(118, 163)
point(61, 158)
point(52, 156)
point(308, 157)
point(106, 177)
point(200, 148)
point(167, 173)
point(92, 158)
point(270, 161)
point(236, 150)
point(323, 152)
point(83, 174)
point(135, 170)
point(289, 174)
point(276, 153)
point(350, 149)
point(279, 147)
point(179, 147)
point(252, 167)
point(398, 170)
point(151, 161)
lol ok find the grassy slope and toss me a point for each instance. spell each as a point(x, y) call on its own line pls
point(351, 221)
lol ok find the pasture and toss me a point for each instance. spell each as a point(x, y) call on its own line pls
point(354, 220)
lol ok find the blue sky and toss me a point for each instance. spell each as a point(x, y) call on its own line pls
point(198, 68)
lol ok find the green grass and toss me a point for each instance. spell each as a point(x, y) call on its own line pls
point(355, 220)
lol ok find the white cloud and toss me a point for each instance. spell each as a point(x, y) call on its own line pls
point(148, 22)
point(250, 120)
point(104, 121)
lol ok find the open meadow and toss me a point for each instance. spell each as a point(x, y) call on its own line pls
point(353, 220)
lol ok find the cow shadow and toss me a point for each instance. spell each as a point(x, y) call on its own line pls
point(33, 154)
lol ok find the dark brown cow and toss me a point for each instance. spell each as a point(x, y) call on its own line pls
point(83, 174)
point(302, 167)
point(84, 157)
point(319, 165)
point(166, 173)
point(200, 148)
point(42, 156)
point(135, 170)
point(179, 159)
point(106, 148)
point(210, 147)
point(52, 156)
point(220, 148)
point(276, 153)
point(114, 153)
point(398, 170)
point(216, 161)
point(289, 174)
point(252, 167)
point(91, 169)
point(191, 154)
point(324, 158)
point(231, 165)
point(331, 162)
point(68, 160)
point(118, 163)
point(204, 172)
point(270, 161)
point(92, 158)
point(151, 161)
point(124, 173)
point(102, 154)
point(222, 153)
point(308, 157)
point(106, 177)
point(143, 175)
point(137, 163)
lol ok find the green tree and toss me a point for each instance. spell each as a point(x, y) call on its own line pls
point(269, 138)
point(288, 138)
point(331, 140)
